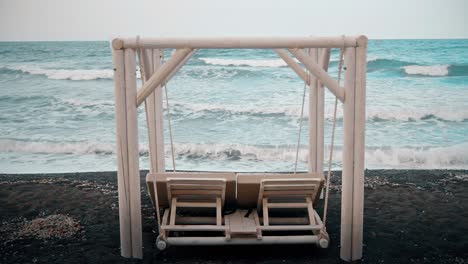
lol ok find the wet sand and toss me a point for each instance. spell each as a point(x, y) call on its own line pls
point(411, 216)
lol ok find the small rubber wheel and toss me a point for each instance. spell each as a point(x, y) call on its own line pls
point(323, 243)
point(161, 244)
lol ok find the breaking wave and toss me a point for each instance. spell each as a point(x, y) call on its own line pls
point(65, 74)
point(240, 62)
point(376, 157)
point(8, 145)
point(396, 66)
point(433, 70)
point(443, 114)
point(436, 70)
point(377, 63)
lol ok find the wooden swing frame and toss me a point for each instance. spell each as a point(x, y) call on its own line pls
point(128, 98)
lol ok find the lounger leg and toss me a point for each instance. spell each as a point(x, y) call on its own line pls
point(228, 228)
point(219, 217)
point(266, 221)
point(257, 223)
point(164, 222)
point(310, 211)
point(173, 210)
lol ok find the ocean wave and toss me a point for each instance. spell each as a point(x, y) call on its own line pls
point(372, 62)
point(9, 145)
point(65, 74)
point(380, 63)
point(418, 157)
point(433, 70)
point(83, 103)
point(396, 114)
point(458, 70)
point(441, 114)
point(222, 110)
point(436, 70)
point(376, 157)
point(184, 111)
point(243, 67)
point(243, 62)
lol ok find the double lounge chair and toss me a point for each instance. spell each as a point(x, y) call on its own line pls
point(228, 208)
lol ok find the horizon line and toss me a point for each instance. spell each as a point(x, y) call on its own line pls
point(103, 40)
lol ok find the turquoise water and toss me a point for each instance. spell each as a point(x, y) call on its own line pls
point(231, 109)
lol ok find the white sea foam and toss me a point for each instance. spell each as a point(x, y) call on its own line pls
point(241, 109)
point(83, 103)
point(447, 114)
point(67, 74)
point(7, 145)
point(240, 62)
point(422, 157)
point(63, 74)
point(433, 70)
point(376, 157)
point(256, 63)
point(399, 114)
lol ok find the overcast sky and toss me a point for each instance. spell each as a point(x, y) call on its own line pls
point(105, 19)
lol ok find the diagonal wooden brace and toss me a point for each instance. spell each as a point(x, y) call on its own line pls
point(318, 72)
point(324, 62)
point(325, 59)
point(161, 74)
point(294, 65)
point(176, 69)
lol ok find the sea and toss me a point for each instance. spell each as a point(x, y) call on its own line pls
point(230, 110)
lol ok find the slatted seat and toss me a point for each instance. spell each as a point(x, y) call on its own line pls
point(289, 193)
point(194, 193)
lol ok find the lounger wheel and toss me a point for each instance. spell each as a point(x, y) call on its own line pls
point(323, 243)
point(161, 244)
point(324, 240)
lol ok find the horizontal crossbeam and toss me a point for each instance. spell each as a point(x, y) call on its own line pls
point(237, 43)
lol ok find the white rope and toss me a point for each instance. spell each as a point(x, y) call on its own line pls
point(171, 136)
point(332, 143)
point(300, 123)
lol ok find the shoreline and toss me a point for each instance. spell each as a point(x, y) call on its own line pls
point(410, 216)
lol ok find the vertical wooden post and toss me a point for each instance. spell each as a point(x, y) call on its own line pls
point(158, 108)
point(154, 118)
point(324, 62)
point(133, 154)
point(122, 154)
point(313, 116)
point(320, 109)
point(348, 156)
point(147, 64)
point(359, 147)
point(316, 113)
point(352, 201)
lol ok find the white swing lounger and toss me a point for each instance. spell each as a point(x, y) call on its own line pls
point(256, 194)
point(289, 193)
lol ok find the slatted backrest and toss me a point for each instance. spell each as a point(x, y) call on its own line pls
point(287, 189)
point(248, 185)
point(161, 184)
point(200, 189)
